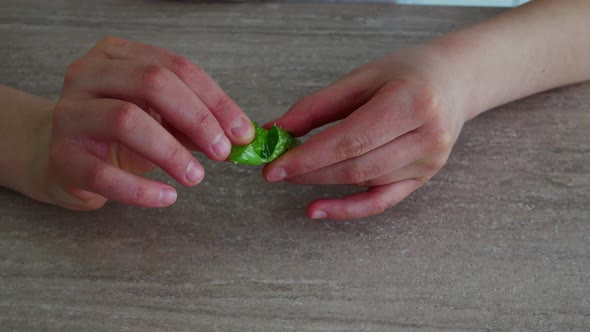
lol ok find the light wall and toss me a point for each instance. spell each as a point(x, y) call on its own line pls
point(487, 3)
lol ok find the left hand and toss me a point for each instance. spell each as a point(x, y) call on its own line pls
point(400, 118)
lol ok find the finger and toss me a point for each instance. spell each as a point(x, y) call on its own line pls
point(373, 201)
point(420, 169)
point(332, 103)
point(381, 161)
point(180, 137)
point(129, 160)
point(160, 89)
point(411, 171)
point(126, 123)
point(94, 175)
point(393, 112)
point(77, 199)
point(232, 119)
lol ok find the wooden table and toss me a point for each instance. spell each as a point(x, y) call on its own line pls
point(498, 240)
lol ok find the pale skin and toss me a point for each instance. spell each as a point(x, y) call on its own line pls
point(127, 108)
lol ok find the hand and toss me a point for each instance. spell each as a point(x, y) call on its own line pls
point(399, 121)
point(127, 108)
point(402, 114)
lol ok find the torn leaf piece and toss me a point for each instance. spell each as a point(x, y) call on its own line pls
point(267, 146)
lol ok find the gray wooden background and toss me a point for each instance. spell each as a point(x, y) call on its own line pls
point(498, 240)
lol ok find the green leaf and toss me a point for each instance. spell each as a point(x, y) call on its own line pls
point(267, 146)
point(270, 144)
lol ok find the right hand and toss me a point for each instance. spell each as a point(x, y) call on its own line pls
point(127, 108)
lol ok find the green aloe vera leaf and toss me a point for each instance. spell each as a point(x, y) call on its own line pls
point(267, 146)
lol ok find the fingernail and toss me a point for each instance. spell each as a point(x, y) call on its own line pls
point(276, 174)
point(242, 129)
point(193, 173)
point(167, 196)
point(221, 145)
point(319, 214)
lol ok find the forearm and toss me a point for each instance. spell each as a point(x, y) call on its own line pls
point(535, 47)
point(25, 124)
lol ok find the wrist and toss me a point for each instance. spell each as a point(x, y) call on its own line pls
point(25, 123)
point(460, 76)
point(37, 182)
point(32, 179)
point(443, 67)
point(521, 52)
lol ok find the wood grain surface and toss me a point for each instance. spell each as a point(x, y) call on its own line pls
point(498, 240)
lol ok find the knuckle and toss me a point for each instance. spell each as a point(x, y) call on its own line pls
point(300, 167)
point(427, 102)
point(306, 166)
point(435, 165)
point(439, 140)
point(442, 142)
point(140, 193)
point(174, 153)
point(126, 118)
point(351, 146)
point(197, 73)
point(154, 77)
point(430, 167)
point(177, 155)
point(423, 179)
point(416, 99)
point(378, 206)
point(430, 97)
point(203, 118)
point(223, 106)
point(183, 65)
